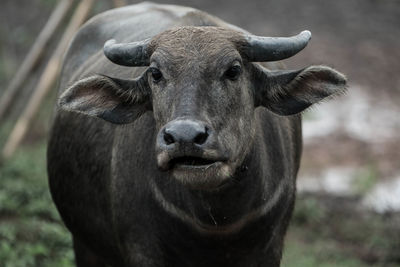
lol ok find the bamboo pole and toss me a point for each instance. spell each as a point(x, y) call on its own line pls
point(34, 54)
point(46, 80)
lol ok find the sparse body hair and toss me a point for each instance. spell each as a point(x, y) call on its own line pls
point(174, 147)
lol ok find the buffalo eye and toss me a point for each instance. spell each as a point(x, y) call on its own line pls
point(156, 74)
point(233, 72)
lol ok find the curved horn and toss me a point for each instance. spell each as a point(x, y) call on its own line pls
point(261, 49)
point(128, 54)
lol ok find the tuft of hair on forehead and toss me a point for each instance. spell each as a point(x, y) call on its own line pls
point(197, 37)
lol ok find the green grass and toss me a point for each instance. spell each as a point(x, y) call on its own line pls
point(332, 232)
point(365, 179)
point(31, 232)
point(315, 253)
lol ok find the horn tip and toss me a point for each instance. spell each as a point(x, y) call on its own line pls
point(306, 34)
point(109, 43)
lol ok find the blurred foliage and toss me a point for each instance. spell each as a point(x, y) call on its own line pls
point(50, 3)
point(332, 231)
point(365, 179)
point(31, 232)
point(315, 252)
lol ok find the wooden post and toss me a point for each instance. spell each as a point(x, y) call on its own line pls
point(34, 54)
point(46, 80)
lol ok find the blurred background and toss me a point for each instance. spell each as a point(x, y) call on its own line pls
point(348, 203)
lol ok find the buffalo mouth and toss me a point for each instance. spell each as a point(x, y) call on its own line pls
point(196, 171)
point(189, 162)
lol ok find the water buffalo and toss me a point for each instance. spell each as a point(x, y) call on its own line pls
point(174, 148)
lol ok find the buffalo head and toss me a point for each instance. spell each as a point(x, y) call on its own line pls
point(203, 87)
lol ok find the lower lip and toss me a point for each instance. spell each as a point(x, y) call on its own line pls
point(196, 167)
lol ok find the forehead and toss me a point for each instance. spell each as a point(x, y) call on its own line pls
point(197, 43)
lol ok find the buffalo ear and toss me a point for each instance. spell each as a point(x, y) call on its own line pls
point(290, 92)
point(114, 100)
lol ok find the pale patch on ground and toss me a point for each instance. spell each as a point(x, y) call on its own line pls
point(336, 181)
point(384, 196)
point(350, 149)
point(358, 114)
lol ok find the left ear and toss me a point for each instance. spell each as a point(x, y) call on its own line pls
point(290, 92)
point(114, 100)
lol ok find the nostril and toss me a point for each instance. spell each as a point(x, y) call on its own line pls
point(168, 138)
point(201, 138)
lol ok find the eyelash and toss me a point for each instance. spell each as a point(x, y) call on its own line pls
point(233, 72)
point(156, 74)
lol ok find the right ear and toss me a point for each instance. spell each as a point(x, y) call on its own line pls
point(114, 100)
